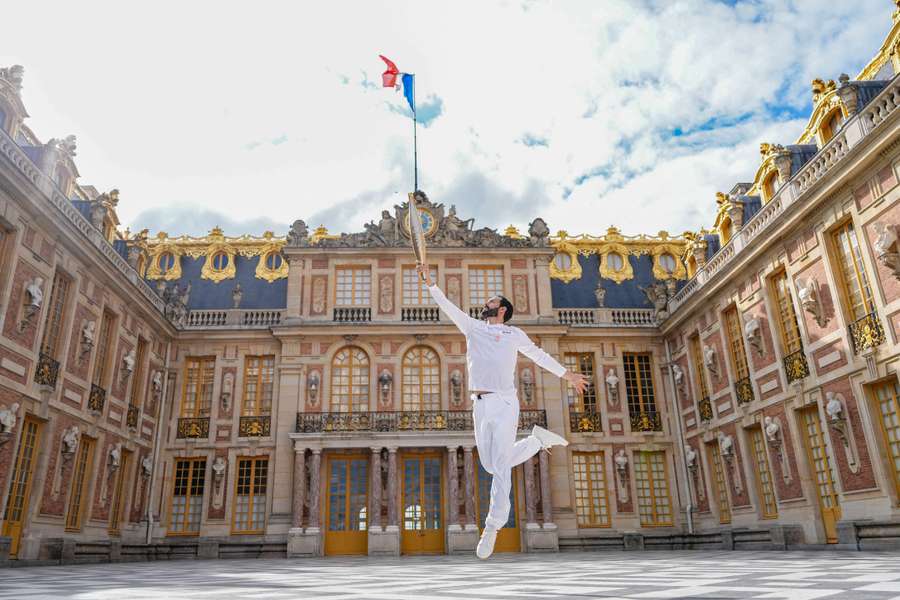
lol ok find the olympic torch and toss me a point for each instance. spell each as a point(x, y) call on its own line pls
point(416, 233)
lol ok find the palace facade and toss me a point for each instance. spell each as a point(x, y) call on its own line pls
point(301, 395)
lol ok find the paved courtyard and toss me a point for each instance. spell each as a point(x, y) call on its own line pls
point(608, 575)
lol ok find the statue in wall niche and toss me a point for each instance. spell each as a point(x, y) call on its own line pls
point(772, 430)
point(456, 381)
point(527, 381)
point(312, 387)
point(219, 465)
point(87, 339)
point(298, 236)
point(678, 374)
point(709, 359)
point(726, 445)
point(115, 457)
point(156, 383)
point(34, 299)
point(318, 296)
point(885, 246)
point(600, 295)
point(808, 294)
point(833, 407)
point(690, 456)
point(128, 363)
point(386, 298)
point(612, 386)
point(385, 382)
point(8, 416)
point(236, 294)
point(70, 440)
point(147, 466)
point(227, 390)
point(753, 331)
point(621, 461)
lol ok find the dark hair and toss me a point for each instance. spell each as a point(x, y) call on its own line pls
point(509, 308)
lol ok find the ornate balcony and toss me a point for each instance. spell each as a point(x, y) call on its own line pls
point(420, 314)
point(704, 407)
point(47, 371)
point(260, 426)
point(352, 315)
point(97, 398)
point(392, 421)
point(585, 422)
point(796, 366)
point(646, 421)
point(131, 418)
point(866, 333)
point(193, 427)
point(743, 388)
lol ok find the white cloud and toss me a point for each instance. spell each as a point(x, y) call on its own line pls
point(275, 112)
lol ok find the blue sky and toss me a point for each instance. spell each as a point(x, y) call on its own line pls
point(589, 114)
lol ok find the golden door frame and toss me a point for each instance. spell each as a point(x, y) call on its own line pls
point(424, 541)
point(829, 516)
point(509, 539)
point(346, 542)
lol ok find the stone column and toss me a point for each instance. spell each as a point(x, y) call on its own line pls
point(299, 487)
point(375, 497)
point(453, 488)
point(469, 467)
point(546, 508)
point(530, 508)
point(314, 468)
point(393, 500)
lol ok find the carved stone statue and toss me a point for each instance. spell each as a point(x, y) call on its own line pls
point(678, 374)
point(772, 430)
point(658, 295)
point(385, 383)
point(70, 440)
point(236, 294)
point(612, 386)
point(35, 292)
point(312, 387)
point(456, 381)
point(726, 445)
point(526, 379)
point(298, 236)
point(710, 360)
point(690, 456)
point(147, 466)
point(156, 383)
point(833, 408)
point(8, 417)
point(218, 467)
point(600, 295)
point(621, 461)
point(539, 233)
point(87, 339)
point(128, 362)
point(115, 456)
point(227, 390)
point(387, 226)
point(808, 294)
point(386, 297)
point(753, 331)
point(885, 246)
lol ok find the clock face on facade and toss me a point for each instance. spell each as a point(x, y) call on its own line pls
point(429, 224)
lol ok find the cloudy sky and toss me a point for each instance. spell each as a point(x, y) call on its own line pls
point(589, 114)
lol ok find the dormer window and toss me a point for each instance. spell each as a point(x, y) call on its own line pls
point(615, 261)
point(768, 186)
point(831, 124)
point(667, 262)
point(165, 262)
point(219, 261)
point(725, 230)
point(562, 261)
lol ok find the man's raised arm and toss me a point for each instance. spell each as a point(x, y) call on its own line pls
point(463, 321)
point(545, 361)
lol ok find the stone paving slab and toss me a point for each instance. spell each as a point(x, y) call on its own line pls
point(602, 575)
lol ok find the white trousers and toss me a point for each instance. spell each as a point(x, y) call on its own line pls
point(496, 424)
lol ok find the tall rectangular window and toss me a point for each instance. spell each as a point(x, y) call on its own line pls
point(121, 490)
point(582, 362)
point(187, 496)
point(591, 493)
point(83, 465)
point(852, 273)
point(484, 284)
point(353, 286)
point(198, 386)
point(56, 308)
point(641, 397)
point(767, 501)
point(654, 504)
point(259, 377)
point(887, 396)
point(6, 245)
point(788, 328)
point(736, 344)
point(415, 292)
point(715, 457)
point(250, 496)
point(699, 372)
point(104, 345)
point(137, 383)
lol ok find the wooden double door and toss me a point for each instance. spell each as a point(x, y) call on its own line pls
point(17, 500)
point(347, 505)
point(817, 453)
point(421, 503)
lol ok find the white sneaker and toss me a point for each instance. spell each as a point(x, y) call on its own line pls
point(486, 544)
point(548, 438)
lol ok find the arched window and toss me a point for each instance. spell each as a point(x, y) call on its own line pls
point(615, 262)
point(769, 186)
point(421, 379)
point(273, 260)
point(667, 262)
point(219, 261)
point(350, 380)
point(725, 230)
point(165, 262)
point(563, 261)
point(830, 125)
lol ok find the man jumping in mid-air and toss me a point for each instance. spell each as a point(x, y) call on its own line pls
point(491, 348)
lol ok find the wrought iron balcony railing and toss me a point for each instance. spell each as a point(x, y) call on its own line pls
point(866, 333)
point(796, 367)
point(743, 388)
point(131, 418)
point(585, 422)
point(704, 407)
point(388, 421)
point(352, 315)
point(260, 426)
point(426, 314)
point(97, 398)
point(646, 421)
point(193, 427)
point(47, 371)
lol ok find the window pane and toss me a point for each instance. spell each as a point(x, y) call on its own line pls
point(484, 284)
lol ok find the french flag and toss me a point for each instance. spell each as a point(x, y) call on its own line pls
point(389, 79)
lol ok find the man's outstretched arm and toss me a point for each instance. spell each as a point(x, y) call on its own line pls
point(460, 319)
point(545, 361)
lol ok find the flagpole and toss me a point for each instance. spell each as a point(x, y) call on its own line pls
point(415, 145)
